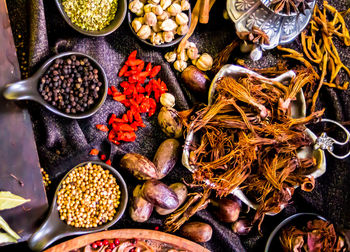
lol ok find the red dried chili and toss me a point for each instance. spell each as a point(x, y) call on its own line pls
point(135, 97)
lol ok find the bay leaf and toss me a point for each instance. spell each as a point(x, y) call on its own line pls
point(9, 200)
point(6, 238)
point(7, 229)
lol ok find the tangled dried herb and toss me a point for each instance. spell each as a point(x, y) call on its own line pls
point(92, 15)
point(250, 140)
point(319, 48)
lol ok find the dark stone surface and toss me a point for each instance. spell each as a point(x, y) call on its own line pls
point(73, 139)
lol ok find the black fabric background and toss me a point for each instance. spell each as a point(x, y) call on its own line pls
point(63, 143)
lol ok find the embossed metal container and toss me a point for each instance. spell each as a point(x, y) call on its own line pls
point(279, 27)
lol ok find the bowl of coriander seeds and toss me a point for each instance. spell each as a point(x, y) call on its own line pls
point(91, 197)
point(93, 17)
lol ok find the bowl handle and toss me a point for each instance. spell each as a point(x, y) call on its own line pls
point(325, 142)
point(50, 231)
point(21, 90)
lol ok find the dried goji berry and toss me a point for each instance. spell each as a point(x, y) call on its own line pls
point(133, 62)
point(94, 152)
point(133, 55)
point(109, 91)
point(102, 127)
point(130, 116)
point(109, 162)
point(112, 118)
point(119, 98)
point(149, 67)
point(103, 157)
point(155, 70)
point(140, 67)
point(123, 70)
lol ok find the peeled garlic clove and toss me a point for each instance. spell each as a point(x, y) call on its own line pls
point(192, 53)
point(174, 9)
point(163, 16)
point(156, 38)
point(181, 18)
point(185, 5)
point(136, 25)
point(170, 56)
point(144, 32)
point(167, 100)
point(180, 65)
point(165, 4)
point(135, 6)
point(148, 8)
point(168, 25)
point(182, 56)
point(157, 9)
point(168, 36)
point(204, 62)
point(182, 30)
point(150, 19)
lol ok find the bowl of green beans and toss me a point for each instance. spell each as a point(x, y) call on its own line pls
point(95, 17)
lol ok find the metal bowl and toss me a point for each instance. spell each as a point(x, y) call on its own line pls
point(177, 40)
point(298, 110)
point(273, 243)
point(28, 89)
point(54, 228)
point(114, 25)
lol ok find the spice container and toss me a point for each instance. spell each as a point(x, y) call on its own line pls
point(37, 87)
point(104, 21)
point(169, 26)
point(54, 228)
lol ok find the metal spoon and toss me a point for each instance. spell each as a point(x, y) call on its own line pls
point(54, 228)
point(28, 89)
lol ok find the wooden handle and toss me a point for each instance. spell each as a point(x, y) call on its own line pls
point(204, 12)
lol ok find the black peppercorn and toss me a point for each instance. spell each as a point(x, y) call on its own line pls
point(71, 84)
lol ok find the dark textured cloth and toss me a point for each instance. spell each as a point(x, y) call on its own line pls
point(63, 143)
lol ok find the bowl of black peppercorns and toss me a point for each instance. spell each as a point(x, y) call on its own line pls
point(70, 84)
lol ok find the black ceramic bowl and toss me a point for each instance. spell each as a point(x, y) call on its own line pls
point(54, 228)
point(177, 39)
point(299, 220)
point(28, 89)
point(114, 25)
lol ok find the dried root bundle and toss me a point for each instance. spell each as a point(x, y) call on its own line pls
point(250, 140)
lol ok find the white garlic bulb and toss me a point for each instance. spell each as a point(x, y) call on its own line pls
point(170, 56)
point(185, 5)
point(157, 9)
point(168, 36)
point(204, 62)
point(150, 19)
point(168, 25)
point(167, 100)
point(174, 9)
point(136, 25)
point(182, 30)
point(144, 32)
point(181, 19)
point(165, 4)
point(180, 65)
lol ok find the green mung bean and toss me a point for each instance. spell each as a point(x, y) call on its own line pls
point(91, 15)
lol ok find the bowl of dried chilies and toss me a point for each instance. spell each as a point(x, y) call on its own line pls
point(305, 232)
point(254, 140)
